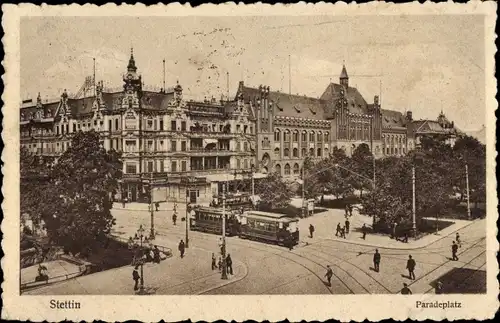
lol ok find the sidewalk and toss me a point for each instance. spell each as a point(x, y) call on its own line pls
point(325, 224)
point(173, 276)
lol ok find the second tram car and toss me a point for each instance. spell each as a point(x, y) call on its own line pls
point(269, 227)
point(209, 219)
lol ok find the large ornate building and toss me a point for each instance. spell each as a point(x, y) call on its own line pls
point(183, 147)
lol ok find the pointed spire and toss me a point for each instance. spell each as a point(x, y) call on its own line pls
point(131, 63)
point(343, 74)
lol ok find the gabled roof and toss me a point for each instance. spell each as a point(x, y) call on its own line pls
point(431, 127)
point(289, 105)
point(392, 119)
point(355, 101)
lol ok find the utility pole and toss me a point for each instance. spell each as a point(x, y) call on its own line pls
point(414, 224)
point(467, 184)
point(373, 170)
point(253, 182)
point(303, 193)
point(152, 233)
point(224, 265)
point(187, 213)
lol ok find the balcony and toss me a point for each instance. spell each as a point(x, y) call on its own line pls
point(211, 134)
point(195, 151)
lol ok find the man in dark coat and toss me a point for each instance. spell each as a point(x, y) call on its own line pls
point(329, 274)
point(454, 250)
point(339, 229)
point(136, 277)
point(347, 223)
point(405, 290)
point(214, 264)
point(410, 265)
point(229, 264)
point(174, 218)
point(363, 230)
point(182, 248)
point(311, 230)
point(376, 261)
point(157, 206)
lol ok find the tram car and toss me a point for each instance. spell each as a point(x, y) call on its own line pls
point(235, 201)
point(209, 219)
point(268, 227)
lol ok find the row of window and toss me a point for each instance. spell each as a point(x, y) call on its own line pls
point(288, 170)
point(304, 135)
point(175, 166)
point(295, 152)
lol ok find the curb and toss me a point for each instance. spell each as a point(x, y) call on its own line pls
point(227, 282)
point(366, 244)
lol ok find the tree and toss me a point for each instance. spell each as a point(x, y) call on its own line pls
point(362, 163)
point(76, 208)
point(274, 193)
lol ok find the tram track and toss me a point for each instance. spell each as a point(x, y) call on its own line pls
point(355, 266)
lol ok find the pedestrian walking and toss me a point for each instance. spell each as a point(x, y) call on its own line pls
point(405, 290)
point(376, 260)
point(220, 264)
point(439, 288)
point(454, 249)
point(405, 237)
point(347, 223)
point(350, 209)
point(363, 230)
point(229, 264)
point(338, 230)
point(136, 277)
point(311, 230)
point(123, 203)
point(329, 274)
point(157, 206)
point(182, 248)
point(214, 264)
point(457, 239)
point(174, 218)
point(156, 254)
point(342, 233)
point(410, 265)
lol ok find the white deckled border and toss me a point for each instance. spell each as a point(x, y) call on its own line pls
point(210, 308)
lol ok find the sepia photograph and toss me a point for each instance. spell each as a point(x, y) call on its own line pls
point(253, 155)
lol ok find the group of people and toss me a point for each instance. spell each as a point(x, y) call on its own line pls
point(342, 231)
point(228, 262)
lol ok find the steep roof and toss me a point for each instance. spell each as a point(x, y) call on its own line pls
point(343, 74)
point(431, 127)
point(392, 119)
point(355, 101)
point(289, 105)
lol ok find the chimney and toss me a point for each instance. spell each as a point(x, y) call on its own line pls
point(409, 116)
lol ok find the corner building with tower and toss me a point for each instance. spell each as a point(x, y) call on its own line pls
point(185, 149)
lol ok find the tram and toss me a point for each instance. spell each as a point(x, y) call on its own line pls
point(269, 227)
point(209, 219)
point(236, 201)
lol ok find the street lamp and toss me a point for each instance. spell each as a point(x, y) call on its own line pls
point(152, 233)
point(187, 212)
point(224, 265)
point(140, 234)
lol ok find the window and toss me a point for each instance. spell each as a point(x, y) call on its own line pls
point(183, 166)
point(319, 152)
point(319, 137)
point(295, 152)
point(150, 166)
point(245, 128)
point(116, 124)
point(174, 166)
point(304, 152)
point(304, 137)
point(131, 168)
point(251, 129)
point(173, 145)
point(277, 152)
point(287, 169)
point(238, 128)
point(311, 136)
point(286, 136)
point(150, 145)
point(327, 137)
point(74, 127)
point(161, 124)
point(277, 136)
point(287, 152)
point(245, 163)
point(238, 146)
point(183, 146)
point(238, 163)
point(110, 123)
point(162, 166)
point(173, 125)
point(277, 169)
point(296, 169)
point(183, 125)
point(311, 152)
point(62, 129)
point(130, 145)
point(245, 146)
point(295, 137)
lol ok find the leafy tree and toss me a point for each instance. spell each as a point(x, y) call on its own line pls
point(77, 202)
point(274, 193)
point(362, 163)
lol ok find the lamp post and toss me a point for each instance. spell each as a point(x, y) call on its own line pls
point(253, 180)
point(151, 206)
point(187, 213)
point(140, 234)
point(224, 267)
point(303, 193)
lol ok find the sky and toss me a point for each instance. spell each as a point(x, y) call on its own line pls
point(420, 63)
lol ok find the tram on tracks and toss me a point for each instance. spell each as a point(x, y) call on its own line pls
point(269, 227)
point(236, 201)
point(209, 219)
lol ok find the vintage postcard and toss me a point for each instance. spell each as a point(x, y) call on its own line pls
point(234, 162)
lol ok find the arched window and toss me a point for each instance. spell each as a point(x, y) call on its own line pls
point(277, 169)
point(304, 152)
point(311, 136)
point(325, 151)
point(295, 152)
point(277, 135)
point(287, 152)
point(295, 136)
point(319, 137)
point(286, 136)
point(245, 146)
point(319, 152)
point(245, 163)
point(287, 169)
point(304, 136)
point(327, 136)
point(296, 169)
point(311, 152)
point(277, 152)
